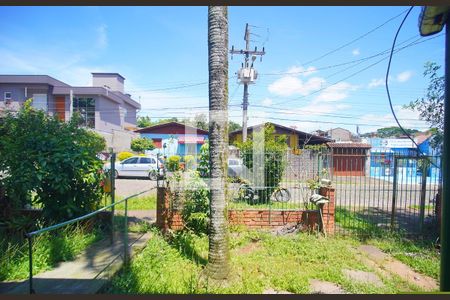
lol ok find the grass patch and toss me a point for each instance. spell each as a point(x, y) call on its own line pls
point(428, 207)
point(49, 249)
point(419, 254)
point(138, 203)
point(175, 265)
point(136, 227)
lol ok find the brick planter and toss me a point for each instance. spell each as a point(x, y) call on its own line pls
point(168, 218)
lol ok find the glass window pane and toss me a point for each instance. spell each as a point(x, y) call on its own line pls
point(132, 160)
point(144, 160)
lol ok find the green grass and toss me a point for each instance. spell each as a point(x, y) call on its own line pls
point(49, 249)
point(419, 254)
point(138, 227)
point(259, 261)
point(428, 207)
point(138, 203)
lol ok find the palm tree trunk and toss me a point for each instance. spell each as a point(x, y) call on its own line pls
point(218, 257)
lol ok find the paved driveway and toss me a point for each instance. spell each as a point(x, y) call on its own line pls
point(129, 186)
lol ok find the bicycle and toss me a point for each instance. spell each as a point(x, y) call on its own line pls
point(247, 193)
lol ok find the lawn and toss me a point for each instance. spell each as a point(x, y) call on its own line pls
point(138, 203)
point(420, 253)
point(259, 261)
point(49, 249)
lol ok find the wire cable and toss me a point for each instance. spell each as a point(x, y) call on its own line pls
point(419, 152)
point(354, 40)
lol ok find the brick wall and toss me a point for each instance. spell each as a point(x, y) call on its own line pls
point(166, 217)
point(169, 218)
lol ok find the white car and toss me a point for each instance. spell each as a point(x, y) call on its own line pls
point(137, 166)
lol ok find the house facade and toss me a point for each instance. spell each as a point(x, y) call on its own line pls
point(175, 138)
point(350, 158)
point(340, 134)
point(296, 139)
point(104, 106)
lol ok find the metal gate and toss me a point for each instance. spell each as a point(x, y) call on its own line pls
point(415, 187)
point(391, 192)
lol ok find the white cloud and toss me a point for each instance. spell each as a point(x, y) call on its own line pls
point(102, 36)
point(408, 119)
point(404, 76)
point(267, 102)
point(290, 85)
point(376, 82)
point(355, 52)
point(336, 92)
point(297, 70)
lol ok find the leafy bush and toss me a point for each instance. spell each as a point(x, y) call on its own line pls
point(173, 163)
point(124, 155)
point(54, 161)
point(142, 144)
point(273, 157)
point(203, 166)
point(195, 211)
point(49, 249)
point(189, 161)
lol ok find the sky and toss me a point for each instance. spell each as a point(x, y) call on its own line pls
point(324, 67)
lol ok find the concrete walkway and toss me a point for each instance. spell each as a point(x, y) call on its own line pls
point(377, 258)
point(87, 274)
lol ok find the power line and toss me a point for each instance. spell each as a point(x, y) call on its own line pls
point(354, 40)
point(341, 64)
point(339, 81)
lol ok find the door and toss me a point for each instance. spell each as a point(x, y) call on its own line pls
point(60, 103)
point(145, 165)
point(129, 167)
point(40, 101)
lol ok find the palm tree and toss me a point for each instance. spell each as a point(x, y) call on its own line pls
point(218, 257)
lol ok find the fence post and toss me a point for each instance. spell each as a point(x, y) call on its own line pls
point(30, 262)
point(113, 190)
point(394, 194)
point(125, 238)
point(423, 194)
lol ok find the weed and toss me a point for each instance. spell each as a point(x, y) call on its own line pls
point(175, 265)
point(48, 249)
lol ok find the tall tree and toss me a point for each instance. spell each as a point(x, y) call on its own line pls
point(144, 121)
point(200, 121)
point(431, 106)
point(233, 126)
point(218, 256)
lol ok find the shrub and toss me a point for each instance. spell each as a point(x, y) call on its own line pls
point(273, 157)
point(124, 155)
point(173, 163)
point(203, 166)
point(189, 162)
point(54, 161)
point(195, 211)
point(142, 144)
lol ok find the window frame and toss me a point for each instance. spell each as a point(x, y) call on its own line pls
point(5, 98)
point(86, 109)
point(126, 162)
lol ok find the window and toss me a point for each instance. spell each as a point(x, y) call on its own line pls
point(147, 160)
point(86, 108)
point(40, 101)
point(132, 160)
point(7, 96)
point(191, 148)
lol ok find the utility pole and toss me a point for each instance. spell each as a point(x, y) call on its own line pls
point(247, 74)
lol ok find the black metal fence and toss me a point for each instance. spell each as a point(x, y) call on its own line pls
point(374, 190)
